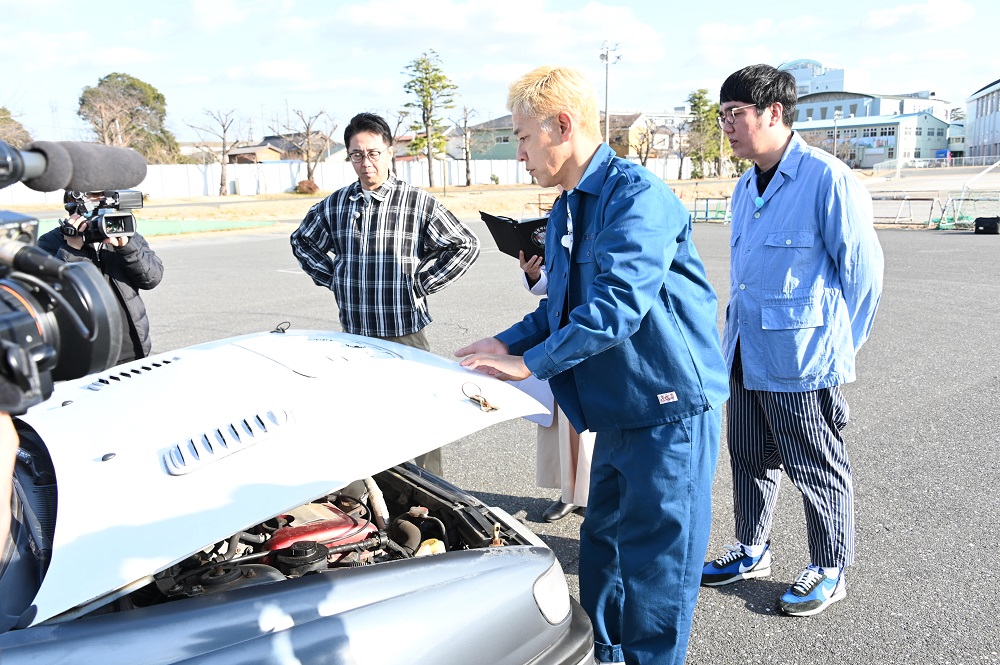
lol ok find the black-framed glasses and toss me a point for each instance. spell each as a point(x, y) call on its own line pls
point(358, 156)
point(729, 115)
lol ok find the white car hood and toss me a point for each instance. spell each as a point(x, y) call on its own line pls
point(161, 457)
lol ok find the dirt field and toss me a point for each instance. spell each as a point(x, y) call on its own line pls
point(465, 202)
point(525, 200)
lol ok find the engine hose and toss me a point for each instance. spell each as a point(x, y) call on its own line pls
point(252, 538)
point(444, 532)
point(234, 540)
point(378, 540)
point(406, 533)
point(396, 548)
point(378, 503)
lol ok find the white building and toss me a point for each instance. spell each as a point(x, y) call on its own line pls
point(812, 77)
point(823, 105)
point(956, 139)
point(982, 122)
point(680, 116)
point(864, 141)
point(824, 91)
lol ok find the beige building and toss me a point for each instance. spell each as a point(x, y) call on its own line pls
point(254, 154)
point(639, 136)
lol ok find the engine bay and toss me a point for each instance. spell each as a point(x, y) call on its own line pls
point(400, 513)
point(395, 515)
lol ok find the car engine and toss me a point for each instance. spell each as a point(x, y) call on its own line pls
point(398, 514)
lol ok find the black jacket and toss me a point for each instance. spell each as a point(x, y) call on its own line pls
point(127, 269)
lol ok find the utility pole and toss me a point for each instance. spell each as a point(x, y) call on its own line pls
point(606, 52)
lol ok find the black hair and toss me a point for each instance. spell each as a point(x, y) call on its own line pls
point(367, 122)
point(762, 85)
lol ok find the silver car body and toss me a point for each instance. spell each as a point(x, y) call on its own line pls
point(163, 459)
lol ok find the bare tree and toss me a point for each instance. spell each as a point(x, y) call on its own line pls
point(467, 113)
point(312, 137)
point(400, 119)
point(680, 147)
point(11, 130)
point(220, 129)
point(643, 141)
point(840, 148)
point(481, 142)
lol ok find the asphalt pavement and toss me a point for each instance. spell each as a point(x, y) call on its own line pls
point(925, 412)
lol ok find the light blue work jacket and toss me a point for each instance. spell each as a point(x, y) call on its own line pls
point(805, 273)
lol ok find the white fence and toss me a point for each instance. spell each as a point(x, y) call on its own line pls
point(176, 181)
point(889, 167)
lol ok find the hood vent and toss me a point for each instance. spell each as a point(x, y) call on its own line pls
point(208, 447)
point(123, 375)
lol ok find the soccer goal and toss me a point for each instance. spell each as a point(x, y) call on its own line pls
point(963, 208)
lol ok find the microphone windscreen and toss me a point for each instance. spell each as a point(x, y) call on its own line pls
point(98, 167)
point(58, 167)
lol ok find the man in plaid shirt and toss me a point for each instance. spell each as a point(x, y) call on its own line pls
point(382, 246)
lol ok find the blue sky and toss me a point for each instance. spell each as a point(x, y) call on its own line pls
point(266, 59)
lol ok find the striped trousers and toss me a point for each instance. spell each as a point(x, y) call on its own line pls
point(801, 433)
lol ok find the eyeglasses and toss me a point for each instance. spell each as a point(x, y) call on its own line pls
point(729, 115)
point(358, 157)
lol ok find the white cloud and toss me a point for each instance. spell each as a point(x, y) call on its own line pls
point(115, 58)
point(350, 55)
point(932, 16)
point(216, 15)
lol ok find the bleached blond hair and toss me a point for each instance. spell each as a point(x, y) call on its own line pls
point(545, 92)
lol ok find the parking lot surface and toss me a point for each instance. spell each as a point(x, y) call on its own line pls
point(925, 412)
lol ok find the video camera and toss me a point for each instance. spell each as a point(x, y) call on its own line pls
point(108, 214)
point(60, 320)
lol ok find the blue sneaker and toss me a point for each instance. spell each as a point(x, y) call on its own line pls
point(812, 593)
point(735, 565)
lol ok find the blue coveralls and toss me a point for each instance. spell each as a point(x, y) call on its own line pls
point(627, 339)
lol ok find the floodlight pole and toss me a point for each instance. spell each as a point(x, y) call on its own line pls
point(606, 52)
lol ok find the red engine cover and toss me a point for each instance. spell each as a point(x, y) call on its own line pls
point(337, 529)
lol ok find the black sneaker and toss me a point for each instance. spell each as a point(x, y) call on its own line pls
point(735, 565)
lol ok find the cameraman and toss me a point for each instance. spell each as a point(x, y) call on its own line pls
point(127, 263)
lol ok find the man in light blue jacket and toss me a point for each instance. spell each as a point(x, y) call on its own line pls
point(627, 340)
point(805, 280)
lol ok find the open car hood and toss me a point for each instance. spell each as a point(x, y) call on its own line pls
point(161, 457)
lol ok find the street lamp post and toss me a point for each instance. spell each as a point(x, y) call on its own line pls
point(606, 52)
point(836, 117)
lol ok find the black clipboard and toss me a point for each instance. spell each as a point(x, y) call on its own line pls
point(512, 236)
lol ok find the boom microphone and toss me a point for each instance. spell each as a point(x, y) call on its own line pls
point(48, 166)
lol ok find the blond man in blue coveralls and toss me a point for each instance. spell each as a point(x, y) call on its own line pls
point(627, 340)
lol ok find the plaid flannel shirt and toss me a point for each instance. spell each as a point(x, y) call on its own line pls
point(383, 257)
